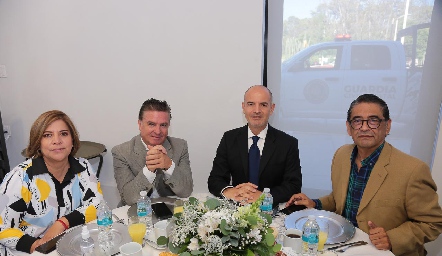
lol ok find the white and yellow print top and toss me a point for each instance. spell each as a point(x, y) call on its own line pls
point(31, 200)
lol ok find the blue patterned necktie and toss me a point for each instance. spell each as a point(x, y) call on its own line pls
point(254, 157)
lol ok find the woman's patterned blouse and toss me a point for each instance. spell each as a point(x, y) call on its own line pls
point(31, 200)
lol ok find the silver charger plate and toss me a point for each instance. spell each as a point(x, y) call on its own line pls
point(69, 244)
point(339, 228)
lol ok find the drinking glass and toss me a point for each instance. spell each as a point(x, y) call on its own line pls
point(178, 206)
point(323, 234)
point(137, 229)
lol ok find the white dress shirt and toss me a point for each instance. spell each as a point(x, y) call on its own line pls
point(262, 138)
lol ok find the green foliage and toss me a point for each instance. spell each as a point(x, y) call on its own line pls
point(212, 203)
point(193, 200)
point(162, 240)
point(216, 226)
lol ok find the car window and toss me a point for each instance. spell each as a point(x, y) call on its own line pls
point(326, 58)
point(370, 57)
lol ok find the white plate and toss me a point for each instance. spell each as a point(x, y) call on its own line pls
point(339, 228)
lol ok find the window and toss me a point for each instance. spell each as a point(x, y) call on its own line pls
point(374, 57)
point(320, 75)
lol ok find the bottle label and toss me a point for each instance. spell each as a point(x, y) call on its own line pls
point(313, 239)
point(141, 214)
point(266, 207)
point(141, 209)
point(104, 221)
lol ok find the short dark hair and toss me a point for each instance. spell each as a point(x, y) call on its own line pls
point(369, 98)
point(154, 105)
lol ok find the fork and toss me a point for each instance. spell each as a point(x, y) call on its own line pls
point(352, 245)
point(117, 219)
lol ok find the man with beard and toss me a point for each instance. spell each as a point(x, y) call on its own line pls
point(256, 156)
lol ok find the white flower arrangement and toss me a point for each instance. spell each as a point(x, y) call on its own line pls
point(220, 227)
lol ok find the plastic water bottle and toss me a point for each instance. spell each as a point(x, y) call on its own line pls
point(87, 243)
point(310, 236)
point(144, 209)
point(104, 222)
point(267, 203)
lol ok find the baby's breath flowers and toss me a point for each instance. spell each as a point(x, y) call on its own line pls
point(220, 227)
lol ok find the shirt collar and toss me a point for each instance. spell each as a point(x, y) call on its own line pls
point(373, 157)
point(39, 167)
point(261, 135)
point(144, 144)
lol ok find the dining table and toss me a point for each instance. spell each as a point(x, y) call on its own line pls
point(121, 214)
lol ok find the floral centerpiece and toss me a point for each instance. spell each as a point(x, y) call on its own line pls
point(220, 227)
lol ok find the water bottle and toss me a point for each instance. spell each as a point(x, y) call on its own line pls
point(104, 222)
point(87, 243)
point(310, 236)
point(144, 209)
point(267, 203)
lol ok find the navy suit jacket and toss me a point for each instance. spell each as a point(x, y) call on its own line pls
point(279, 167)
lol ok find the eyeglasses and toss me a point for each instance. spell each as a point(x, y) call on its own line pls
point(373, 123)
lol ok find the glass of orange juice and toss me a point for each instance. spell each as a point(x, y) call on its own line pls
point(323, 234)
point(137, 229)
point(178, 207)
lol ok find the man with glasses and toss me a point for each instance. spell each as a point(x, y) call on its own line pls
point(386, 193)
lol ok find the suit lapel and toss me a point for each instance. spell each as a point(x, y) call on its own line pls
point(344, 178)
point(377, 177)
point(140, 153)
point(269, 148)
point(243, 147)
point(168, 147)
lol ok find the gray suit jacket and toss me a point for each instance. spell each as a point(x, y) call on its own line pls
point(400, 196)
point(130, 159)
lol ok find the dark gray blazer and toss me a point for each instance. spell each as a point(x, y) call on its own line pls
point(129, 160)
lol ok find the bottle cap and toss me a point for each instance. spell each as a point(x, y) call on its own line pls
point(266, 190)
point(85, 232)
point(143, 193)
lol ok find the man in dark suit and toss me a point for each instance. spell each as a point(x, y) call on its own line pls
point(235, 174)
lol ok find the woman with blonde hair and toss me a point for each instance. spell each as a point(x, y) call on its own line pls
point(51, 191)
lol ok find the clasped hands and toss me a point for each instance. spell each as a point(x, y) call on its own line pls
point(244, 193)
point(157, 158)
point(378, 236)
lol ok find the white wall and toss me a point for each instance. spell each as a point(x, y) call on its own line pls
point(99, 60)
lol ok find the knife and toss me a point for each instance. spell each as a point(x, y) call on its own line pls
point(345, 244)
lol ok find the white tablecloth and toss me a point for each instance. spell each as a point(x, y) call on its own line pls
point(367, 250)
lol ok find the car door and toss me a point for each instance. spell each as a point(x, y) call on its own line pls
point(310, 85)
